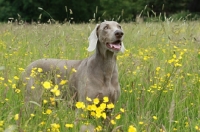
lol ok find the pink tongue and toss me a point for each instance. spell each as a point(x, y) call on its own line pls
point(115, 46)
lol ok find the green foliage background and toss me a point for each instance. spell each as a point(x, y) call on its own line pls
point(85, 10)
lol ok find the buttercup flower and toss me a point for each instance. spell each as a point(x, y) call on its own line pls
point(69, 125)
point(46, 85)
point(80, 105)
point(105, 99)
point(96, 101)
point(132, 129)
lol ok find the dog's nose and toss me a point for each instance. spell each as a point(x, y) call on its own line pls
point(119, 33)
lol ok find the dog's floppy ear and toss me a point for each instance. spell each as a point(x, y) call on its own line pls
point(93, 39)
point(122, 48)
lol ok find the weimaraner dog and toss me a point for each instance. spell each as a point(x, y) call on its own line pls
point(95, 76)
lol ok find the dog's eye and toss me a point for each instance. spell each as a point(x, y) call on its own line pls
point(106, 27)
point(119, 26)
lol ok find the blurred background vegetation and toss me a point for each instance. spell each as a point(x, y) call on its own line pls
point(97, 10)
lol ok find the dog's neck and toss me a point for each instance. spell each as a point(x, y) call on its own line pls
point(107, 60)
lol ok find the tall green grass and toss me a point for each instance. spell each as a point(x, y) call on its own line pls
point(159, 76)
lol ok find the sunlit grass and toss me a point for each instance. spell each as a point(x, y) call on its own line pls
point(159, 76)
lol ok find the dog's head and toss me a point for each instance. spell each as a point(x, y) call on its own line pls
point(109, 34)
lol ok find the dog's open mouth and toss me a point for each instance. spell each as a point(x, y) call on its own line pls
point(116, 45)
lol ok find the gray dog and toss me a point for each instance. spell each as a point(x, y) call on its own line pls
point(95, 76)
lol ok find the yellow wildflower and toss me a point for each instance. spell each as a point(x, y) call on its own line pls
point(46, 85)
point(158, 69)
point(45, 101)
point(14, 86)
point(1, 78)
point(103, 115)
point(55, 90)
point(98, 128)
point(65, 67)
point(42, 123)
point(103, 106)
point(113, 122)
point(118, 117)
point(63, 82)
point(155, 118)
point(55, 127)
point(96, 101)
point(122, 110)
point(80, 105)
point(48, 111)
point(69, 125)
point(16, 117)
point(17, 90)
point(88, 99)
point(74, 70)
point(105, 99)
point(16, 77)
point(32, 87)
point(1, 123)
point(93, 107)
point(132, 129)
point(110, 106)
point(39, 70)
point(141, 122)
point(21, 69)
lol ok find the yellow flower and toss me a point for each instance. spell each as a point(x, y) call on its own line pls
point(103, 106)
point(122, 110)
point(96, 101)
point(105, 99)
point(32, 87)
point(63, 82)
point(13, 85)
point(55, 90)
point(48, 111)
point(132, 129)
point(32, 115)
point(1, 78)
point(69, 125)
point(74, 70)
point(89, 107)
point(45, 101)
point(17, 90)
point(113, 122)
point(103, 115)
point(141, 122)
point(98, 128)
point(46, 85)
point(42, 123)
point(55, 127)
point(155, 118)
point(88, 99)
point(93, 113)
point(158, 68)
point(1, 123)
point(118, 117)
point(40, 70)
point(80, 105)
point(93, 107)
point(65, 67)
point(16, 78)
point(16, 117)
point(21, 69)
point(110, 106)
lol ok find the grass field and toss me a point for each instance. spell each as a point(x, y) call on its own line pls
point(159, 76)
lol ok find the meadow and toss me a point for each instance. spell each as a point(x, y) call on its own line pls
point(159, 75)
